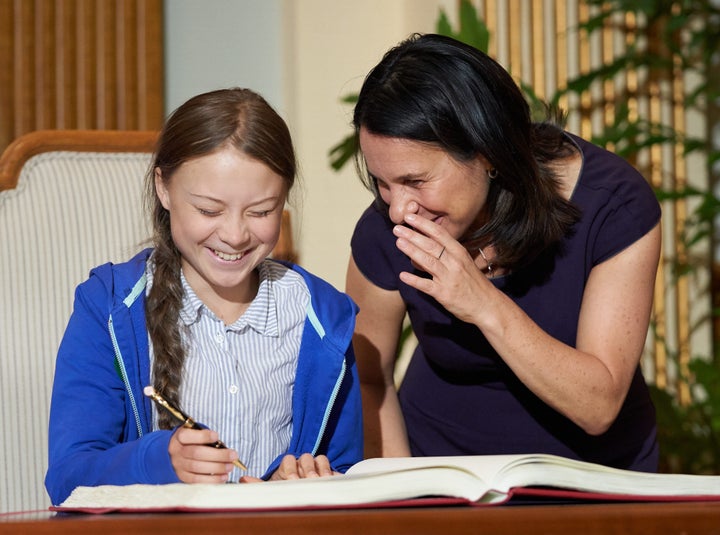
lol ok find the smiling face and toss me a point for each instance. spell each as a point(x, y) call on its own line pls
point(415, 177)
point(225, 215)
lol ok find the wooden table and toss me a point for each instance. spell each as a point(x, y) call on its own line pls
point(576, 519)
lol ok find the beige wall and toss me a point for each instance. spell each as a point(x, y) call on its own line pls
point(329, 47)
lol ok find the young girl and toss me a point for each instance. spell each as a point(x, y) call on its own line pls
point(258, 351)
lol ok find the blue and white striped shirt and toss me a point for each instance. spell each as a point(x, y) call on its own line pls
point(238, 379)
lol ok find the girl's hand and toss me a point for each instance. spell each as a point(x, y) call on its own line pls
point(304, 466)
point(196, 462)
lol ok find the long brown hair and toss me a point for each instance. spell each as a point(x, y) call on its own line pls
point(236, 117)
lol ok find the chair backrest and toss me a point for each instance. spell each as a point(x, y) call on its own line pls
point(75, 201)
point(69, 200)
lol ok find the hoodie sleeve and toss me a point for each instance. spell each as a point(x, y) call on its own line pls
point(91, 441)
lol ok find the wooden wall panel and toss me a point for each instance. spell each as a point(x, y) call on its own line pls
point(80, 64)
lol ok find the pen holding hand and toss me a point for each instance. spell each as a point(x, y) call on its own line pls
point(188, 422)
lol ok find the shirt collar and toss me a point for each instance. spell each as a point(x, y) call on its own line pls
point(261, 315)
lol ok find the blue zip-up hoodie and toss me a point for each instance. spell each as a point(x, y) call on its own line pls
point(100, 421)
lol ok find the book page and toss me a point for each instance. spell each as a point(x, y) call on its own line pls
point(354, 489)
point(563, 473)
point(505, 472)
point(486, 467)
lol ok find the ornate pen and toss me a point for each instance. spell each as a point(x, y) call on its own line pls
point(185, 419)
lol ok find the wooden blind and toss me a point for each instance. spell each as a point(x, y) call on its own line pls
point(80, 64)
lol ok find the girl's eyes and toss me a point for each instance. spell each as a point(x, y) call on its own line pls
point(209, 213)
point(214, 213)
point(263, 213)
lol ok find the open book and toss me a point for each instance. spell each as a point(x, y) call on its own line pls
point(486, 479)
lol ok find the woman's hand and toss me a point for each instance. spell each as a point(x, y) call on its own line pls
point(457, 282)
point(298, 468)
point(196, 462)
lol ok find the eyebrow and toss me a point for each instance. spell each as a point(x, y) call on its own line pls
point(204, 197)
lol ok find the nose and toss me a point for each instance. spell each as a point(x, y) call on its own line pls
point(234, 231)
point(400, 202)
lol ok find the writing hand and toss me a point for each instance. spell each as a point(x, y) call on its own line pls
point(194, 461)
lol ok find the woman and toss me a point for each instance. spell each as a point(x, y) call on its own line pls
point(258, 351)
point(524, 256)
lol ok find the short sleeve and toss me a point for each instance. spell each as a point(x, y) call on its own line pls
point(619, 206)
point(634, 215)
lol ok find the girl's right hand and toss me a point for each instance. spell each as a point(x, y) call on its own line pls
point(196, 462)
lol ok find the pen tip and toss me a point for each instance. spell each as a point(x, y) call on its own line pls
point(149, 391)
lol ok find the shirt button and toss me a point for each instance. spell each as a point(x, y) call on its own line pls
point(219, 338)
point(233, 389)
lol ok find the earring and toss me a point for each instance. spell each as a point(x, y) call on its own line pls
point(492, 173)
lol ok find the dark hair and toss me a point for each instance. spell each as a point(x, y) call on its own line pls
point(435, 89)
point(235, 117)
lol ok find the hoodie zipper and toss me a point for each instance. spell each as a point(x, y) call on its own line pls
point(328, 408)
point(123, 374)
